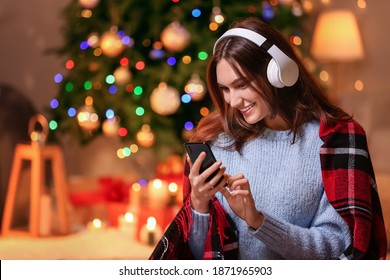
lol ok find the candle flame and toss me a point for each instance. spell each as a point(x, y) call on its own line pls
point(151, 223)
point(172, 187)
point(157, 183)
point(129, 217)
point(97, 223)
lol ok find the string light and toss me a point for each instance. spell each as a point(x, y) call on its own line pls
point(72, 112)
point(217, 16)
point(122, 131)
point(69, 64)
point(69, 86)
point(186, 98)
point(196, 13)
point(53, 125)
point(86, 13)
point(324, 76)
point(204, 111)
point(140, 65)
point(54, 103)
point(359, 85)
point(361, 4)
point(58, 78)
point(188, 125)
point(186, 59)
point(203, 55)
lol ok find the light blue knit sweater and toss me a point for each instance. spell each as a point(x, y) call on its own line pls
point(286, 183)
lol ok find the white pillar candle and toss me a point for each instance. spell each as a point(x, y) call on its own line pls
point(135, 195)
point(151, 232)
point(158, 194)
point(127, 224)
point(45, 225)
point(172, 187)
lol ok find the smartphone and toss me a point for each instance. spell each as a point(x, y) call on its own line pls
point(194, 149)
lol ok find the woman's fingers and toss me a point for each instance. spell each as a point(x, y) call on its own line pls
point(238, 183)
point(195, 167)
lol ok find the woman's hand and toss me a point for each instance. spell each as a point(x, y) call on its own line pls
point(202, 191)
point(241, 201)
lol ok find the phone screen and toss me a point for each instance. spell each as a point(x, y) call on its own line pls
point(194, 149)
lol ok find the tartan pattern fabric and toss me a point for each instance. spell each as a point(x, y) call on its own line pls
point(221, 241)
point(349, 184)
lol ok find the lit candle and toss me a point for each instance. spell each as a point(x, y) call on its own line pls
point(151, 227)
point(157, 194)
point(172, 187)
point(135, 195)
point(126, 223)
point(96, 225)
point(151, 232)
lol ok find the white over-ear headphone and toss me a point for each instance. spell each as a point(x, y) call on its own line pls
point(281, 71)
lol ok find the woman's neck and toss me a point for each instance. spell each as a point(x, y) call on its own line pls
point(276, 123)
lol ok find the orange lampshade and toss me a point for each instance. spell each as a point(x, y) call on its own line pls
point(336, 37)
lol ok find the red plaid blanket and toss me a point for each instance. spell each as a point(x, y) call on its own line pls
point(349, 184)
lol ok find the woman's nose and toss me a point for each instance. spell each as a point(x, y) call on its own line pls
point(235, 99)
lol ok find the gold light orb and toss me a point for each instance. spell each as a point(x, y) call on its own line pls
point(165, 100)
point(87, 118)
point(111, 44)
point(175, 37)
point(122, 75)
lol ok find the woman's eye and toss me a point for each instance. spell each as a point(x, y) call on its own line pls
point(224, 89)
point(242, 86)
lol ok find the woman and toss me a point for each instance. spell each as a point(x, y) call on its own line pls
point(299, 179)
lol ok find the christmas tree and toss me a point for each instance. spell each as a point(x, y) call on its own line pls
point(135, 69)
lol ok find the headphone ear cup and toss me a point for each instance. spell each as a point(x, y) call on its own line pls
point(273, 74)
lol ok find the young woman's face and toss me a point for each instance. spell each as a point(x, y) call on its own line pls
point(239, 95)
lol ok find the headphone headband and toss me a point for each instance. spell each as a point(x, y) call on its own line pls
point(286, 72)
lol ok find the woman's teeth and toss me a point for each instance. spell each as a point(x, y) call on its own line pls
point(246, 109)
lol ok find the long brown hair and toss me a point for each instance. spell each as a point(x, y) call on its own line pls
point(304, 101)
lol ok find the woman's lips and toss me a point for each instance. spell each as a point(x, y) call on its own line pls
point(247, 109)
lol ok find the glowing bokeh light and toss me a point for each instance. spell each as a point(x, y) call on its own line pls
point(124, 61)
point(171, 61)
point(58, 78)
point(139, 111)
point(69, 64)
point(54, 103)
point(140, 65)
point(196, 13)
point(113, 89)
point(87, 85)
point(110, 79)
point(69, 86)
point(72, 112)
point(53, 125)
point(84, 45)
point(122, 131)
point(186, 98)
point(188, 125)
point(186, 59)
point(138, 90)
point(203, 55)
point(110, 114)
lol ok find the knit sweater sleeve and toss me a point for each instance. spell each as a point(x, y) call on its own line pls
point(198, 233)
point(328, 235)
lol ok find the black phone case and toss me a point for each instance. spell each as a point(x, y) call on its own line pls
point(194, 149)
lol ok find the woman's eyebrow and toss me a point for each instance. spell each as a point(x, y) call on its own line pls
point(234, 82)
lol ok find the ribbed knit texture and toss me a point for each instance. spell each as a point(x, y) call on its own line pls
point(286, 183)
